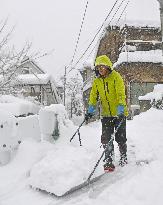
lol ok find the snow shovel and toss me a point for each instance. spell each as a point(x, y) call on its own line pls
point(90, 181)
point(107, 147)
point(77, 131)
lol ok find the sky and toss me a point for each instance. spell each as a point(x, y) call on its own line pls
point(53, 25)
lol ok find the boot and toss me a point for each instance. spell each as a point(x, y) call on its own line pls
point(109, 158)
point(123, 154)
point(123, 160)
point(109, 167)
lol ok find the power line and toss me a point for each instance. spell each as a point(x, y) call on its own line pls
point(108, 24)
point(123, 12)
point(116, 12)
point(97, 32)
point(77, 42)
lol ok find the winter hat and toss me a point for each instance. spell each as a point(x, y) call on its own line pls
point(104, 60)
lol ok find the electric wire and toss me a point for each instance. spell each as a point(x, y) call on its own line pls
point(77, 42)
point(95, 35)
point(110, 22)
point(122, 12)
point(99, 31)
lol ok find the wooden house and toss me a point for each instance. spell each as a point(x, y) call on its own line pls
point(136, 54)
point(32, 81)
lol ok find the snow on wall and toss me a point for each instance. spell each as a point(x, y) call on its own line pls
point(14, 130)
point(8, 127)
point(153, 56)
point(157, 94)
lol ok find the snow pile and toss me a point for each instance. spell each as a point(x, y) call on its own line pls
point(129, 185)
point(17, 106)
point(52, 120)
point(61, 169)
point(31, 124)
point(7, 136)
point(13, 175)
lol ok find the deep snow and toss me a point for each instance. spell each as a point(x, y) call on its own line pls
point(133, 184)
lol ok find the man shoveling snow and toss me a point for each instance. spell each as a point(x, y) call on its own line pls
point(109, 87)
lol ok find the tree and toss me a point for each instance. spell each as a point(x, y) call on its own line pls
point(74, 101)
point(11, 59)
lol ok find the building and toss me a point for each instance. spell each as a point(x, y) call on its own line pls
point(32, 81)
point(137, 56)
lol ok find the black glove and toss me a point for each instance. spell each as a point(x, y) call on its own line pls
point(88, 116)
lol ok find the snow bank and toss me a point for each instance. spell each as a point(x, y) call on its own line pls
point(52, 120)
point(18, 106)
point(62, 168)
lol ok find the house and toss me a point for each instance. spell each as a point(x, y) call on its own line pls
point(137, 56)
point(32, 81)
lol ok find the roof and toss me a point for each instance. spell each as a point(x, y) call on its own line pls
point(140, 13)
point(31, 79)
point(28, 60)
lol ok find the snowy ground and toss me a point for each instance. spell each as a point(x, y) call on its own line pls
point(133, 184)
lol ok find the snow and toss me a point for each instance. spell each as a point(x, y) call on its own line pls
point(31, 79)
point(57, 166)
point(152, 56)
point(18, 106)
point(156, 95)
point(34, 79)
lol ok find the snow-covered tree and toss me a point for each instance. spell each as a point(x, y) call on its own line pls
point(74, 100)
point(10, 59)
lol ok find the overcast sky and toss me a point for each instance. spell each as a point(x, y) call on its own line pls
point(55, 24)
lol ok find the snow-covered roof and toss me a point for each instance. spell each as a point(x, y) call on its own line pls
point(34, 79)
point(152, 56)
point(31, 79)
point(140, 13)
point(32, 62)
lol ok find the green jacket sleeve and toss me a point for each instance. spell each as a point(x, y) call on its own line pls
point(93, 94)
point(120, 90)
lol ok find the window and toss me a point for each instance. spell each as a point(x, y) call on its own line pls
point(25, 70)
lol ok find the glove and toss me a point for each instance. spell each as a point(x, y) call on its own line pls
point(90, 112)
point(91, 109)
point(88, 116)
point(120, 110)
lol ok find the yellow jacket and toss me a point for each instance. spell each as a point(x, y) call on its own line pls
point(111, 91)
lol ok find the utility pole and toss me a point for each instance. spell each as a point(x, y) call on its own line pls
point(161, 18)
point(64, 93)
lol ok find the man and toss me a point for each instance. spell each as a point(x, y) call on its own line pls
point(109, 88)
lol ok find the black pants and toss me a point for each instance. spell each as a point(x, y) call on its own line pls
point(109, 124)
